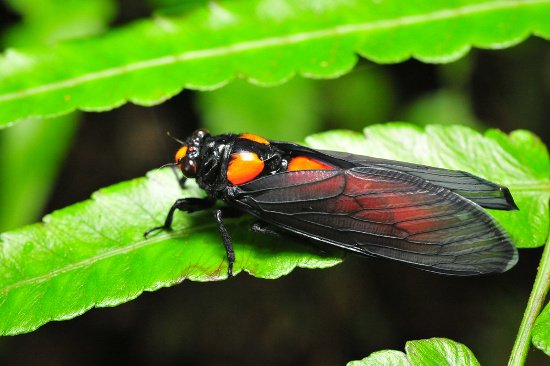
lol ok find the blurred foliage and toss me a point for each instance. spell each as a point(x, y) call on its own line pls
point(444, 107)
point(31, 153)
point(289, 111)
point(50, 21)
point(175, 6)
point(364, 96)
point(300, 107)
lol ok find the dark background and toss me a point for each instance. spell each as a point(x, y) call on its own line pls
point(312, 317)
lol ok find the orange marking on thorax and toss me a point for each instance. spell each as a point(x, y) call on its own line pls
point(255, 138)
point(305, 163)
point(243, 167)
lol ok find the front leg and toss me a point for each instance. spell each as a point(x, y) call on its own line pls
point(183, 204)
point(226, 238)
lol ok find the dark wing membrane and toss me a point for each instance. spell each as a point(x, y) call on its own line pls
point(384, 213)
point(481, 191)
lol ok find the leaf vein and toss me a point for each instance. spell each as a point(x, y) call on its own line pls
point(105, 255)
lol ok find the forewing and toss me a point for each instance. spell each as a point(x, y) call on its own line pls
point(481, 191)
point(383, 213)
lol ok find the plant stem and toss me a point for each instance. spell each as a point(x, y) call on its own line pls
point(534, 305)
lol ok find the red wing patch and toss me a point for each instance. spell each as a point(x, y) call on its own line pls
point(380, 212)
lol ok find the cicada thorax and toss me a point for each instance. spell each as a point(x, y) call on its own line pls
point(224, 161)
point(253, 156)
point(228, 160)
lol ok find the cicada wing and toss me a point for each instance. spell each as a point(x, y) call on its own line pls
point(384, 213)
point(479, 190)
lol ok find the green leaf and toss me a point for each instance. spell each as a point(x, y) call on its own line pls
point(519, 161)
point(425, 352)
point(439, 352)
point(93, 253)
point(383, 358)
point(265, 42)
point(541, 330)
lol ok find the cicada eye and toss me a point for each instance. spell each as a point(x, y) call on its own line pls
point(188, 167)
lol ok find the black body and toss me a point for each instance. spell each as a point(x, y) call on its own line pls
point(429, 217)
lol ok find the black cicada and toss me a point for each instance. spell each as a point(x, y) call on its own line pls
point(429, 217)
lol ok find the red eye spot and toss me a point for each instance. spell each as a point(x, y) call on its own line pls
point(181, 154)
point(243, 167)
point(189, 168)
point(255, 138)
point(305, 163)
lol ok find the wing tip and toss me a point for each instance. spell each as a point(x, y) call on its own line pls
point(513, 259)
point(508, 259)
point(509, 199)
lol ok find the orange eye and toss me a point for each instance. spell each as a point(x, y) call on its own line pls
point(243, 167)
point(181, 154)
point(305, 163)
point(255, 138)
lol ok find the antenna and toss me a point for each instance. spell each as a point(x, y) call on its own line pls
point(174, 138)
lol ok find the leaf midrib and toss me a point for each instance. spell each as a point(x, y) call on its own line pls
point(531, 187)
point(272, 42)
point(106, 255)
